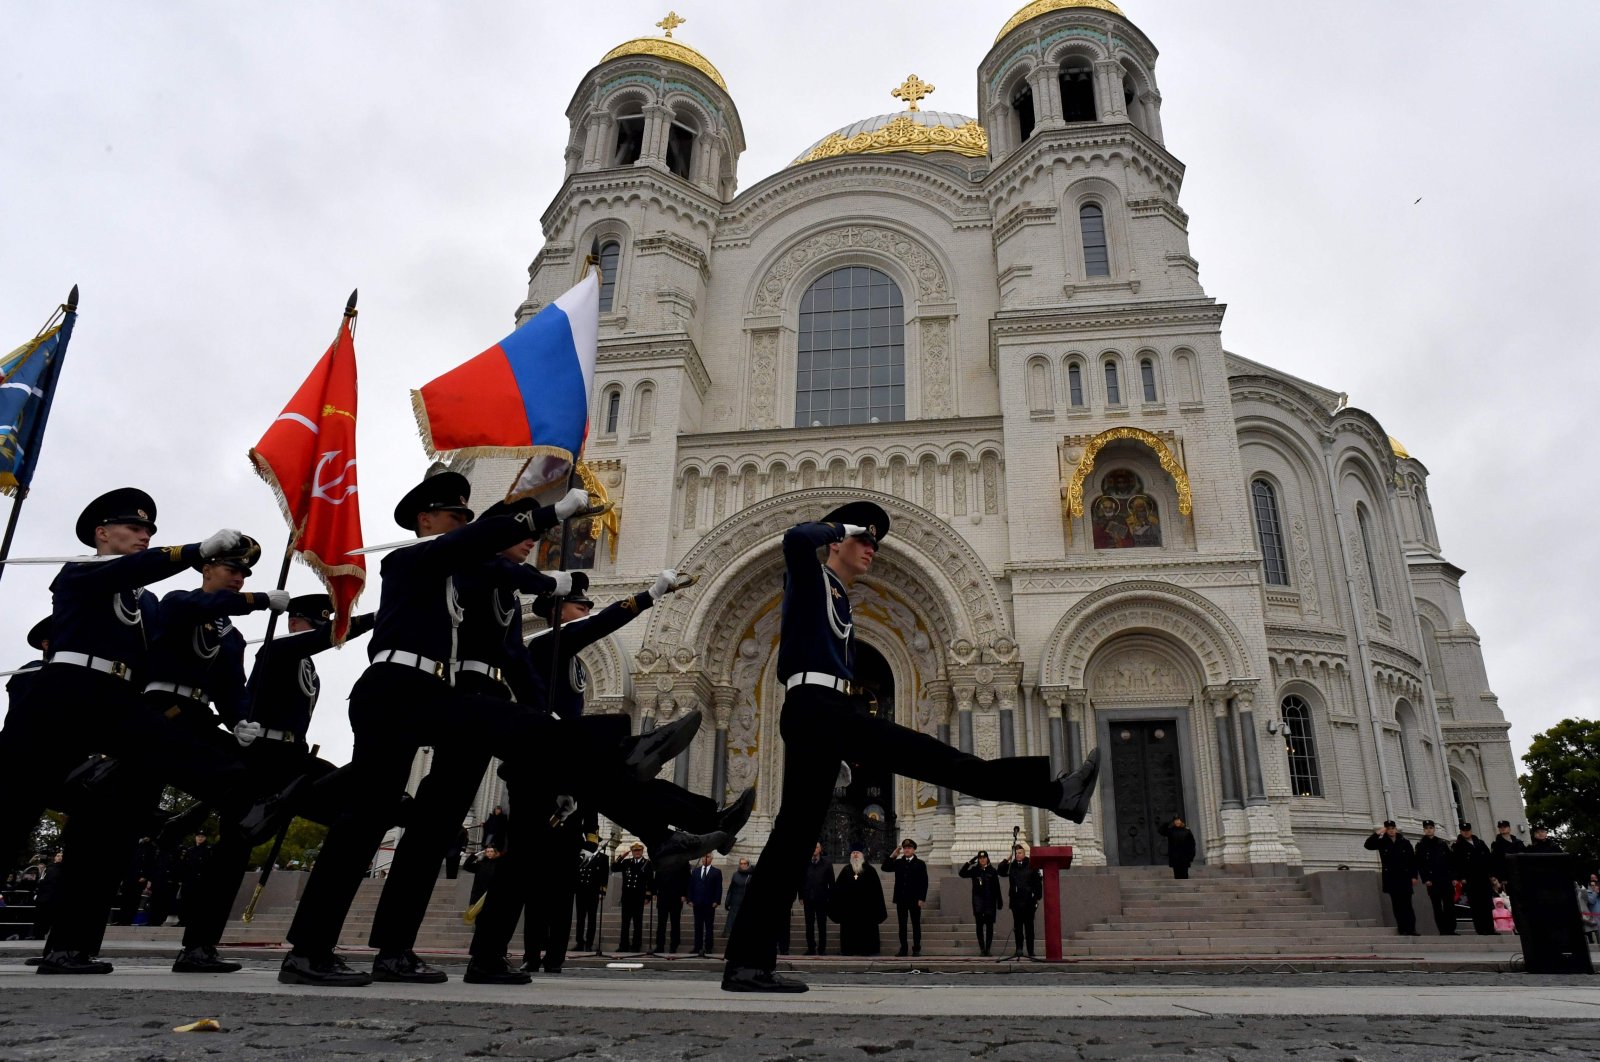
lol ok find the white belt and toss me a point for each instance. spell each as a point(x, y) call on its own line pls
point(819, 678)
point(94, 663)
point(194, 693)
point(480, 668)
point(436, 668)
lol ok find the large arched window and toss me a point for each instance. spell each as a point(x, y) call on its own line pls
point(1406, 717)
point(1077, 90)
point(1022, 104)
point(1366, 546)
point(1269, 532)
point(1096, 255)
point(680, 145)
point(608, 254)
point(630, 138)
point(1305, 776)
point(851, 365)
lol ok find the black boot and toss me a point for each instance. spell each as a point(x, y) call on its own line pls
point(204, 960)
point(646, 754)
point(265, 819)
point(493, 972)
point(321, 971)
point(749, 979)
point(681, 847)
point(71, 962)
point(731, 819)
point(1077, 788)
point(406, 968)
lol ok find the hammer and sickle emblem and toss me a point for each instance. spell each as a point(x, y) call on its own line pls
point(321, 488)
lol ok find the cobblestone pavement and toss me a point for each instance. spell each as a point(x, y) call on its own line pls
point(80, 1021)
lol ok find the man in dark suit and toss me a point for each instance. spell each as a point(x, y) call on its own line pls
point(705, 895)
point(1027, 885)
point(672, 888)
point(910, 892)
point(1399, 868)
point(814, 897)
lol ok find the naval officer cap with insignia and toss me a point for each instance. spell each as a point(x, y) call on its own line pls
point(241, 558)
point(125, 505)
point(446, 492)
point(861, 519)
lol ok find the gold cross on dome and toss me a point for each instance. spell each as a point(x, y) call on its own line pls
point(911, 91)
point(671, 22)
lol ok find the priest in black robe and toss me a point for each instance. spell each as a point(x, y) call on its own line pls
point(856, 904)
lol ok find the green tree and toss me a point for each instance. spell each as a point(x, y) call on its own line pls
point(1562, 786)
point(303, 836)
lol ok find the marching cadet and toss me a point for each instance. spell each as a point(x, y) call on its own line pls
point(86, 700)
point(822, 724)
point(410, 696)
point(197, 661)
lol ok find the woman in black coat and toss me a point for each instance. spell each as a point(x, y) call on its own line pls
point(986, 901)
point(1180, 846)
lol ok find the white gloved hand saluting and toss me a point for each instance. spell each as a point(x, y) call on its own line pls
point(247, 731)
point(278, 600)
point(575, 499)
point(663, 584)
point(852, 530)
point(225, 539)
point(563, 583)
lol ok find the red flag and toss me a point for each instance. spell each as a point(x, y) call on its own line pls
point(308, 456)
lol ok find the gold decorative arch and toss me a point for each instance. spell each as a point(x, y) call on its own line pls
point(1169, 464)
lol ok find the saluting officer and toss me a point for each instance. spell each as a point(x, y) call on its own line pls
point(638, 885)
point(86, 700)
point(822, 724)
point(1026, 886)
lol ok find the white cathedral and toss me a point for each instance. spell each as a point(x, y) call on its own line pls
point(1108, 530)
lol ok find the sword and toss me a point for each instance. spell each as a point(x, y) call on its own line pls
point(93, 558)
point(384, 547)
point(249, 913)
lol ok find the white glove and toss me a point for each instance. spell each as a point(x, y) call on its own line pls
point(225, 539)
point(852, 530)
point(247, 731)
point(277, 600)
point(663, 584)
point(845, 776)
point(563, 582)
point(575, 499)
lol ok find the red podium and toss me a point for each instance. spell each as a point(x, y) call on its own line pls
point(1051, 861)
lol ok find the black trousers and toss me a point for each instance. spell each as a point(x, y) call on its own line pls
point(910, 912)
point(69, 713)
point(632, 936)
point(985, 926)
point(1022, 927)
point(1405, 917)
point(394, 711)
point(1180, 871)
point(588, 911)
point(821, 727)
point(705, 925)
point(1481, 900)
point(669, 924)
point(1443, 898)
point(816, 928)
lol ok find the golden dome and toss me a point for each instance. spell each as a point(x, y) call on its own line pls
point(1399, 450)
point(916, 131)
point(666, 48)
point(1044, 7)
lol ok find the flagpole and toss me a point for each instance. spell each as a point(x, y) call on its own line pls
point(69, 310)
point(294, 534)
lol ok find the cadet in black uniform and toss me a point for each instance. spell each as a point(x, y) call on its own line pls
point(1472, 862)
point(1434, 870)
point(821, 725)
point(1399, 862)
point(410, 696)
point(638, 885)
point(197, 661)
point(594, 871)
point(86, 700)
point(18, 685)
point(1027, 885)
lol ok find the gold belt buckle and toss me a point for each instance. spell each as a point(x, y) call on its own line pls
point(119, 669)
point(439, 669)
point(198, 695)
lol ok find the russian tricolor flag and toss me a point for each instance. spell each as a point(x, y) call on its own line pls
point(527, 396)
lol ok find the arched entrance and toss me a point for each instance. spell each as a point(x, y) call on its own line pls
point(863, 812)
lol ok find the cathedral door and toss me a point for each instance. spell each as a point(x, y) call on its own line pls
point(1147, 781)
point(863, 812)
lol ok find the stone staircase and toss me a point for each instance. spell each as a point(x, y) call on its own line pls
point(1216, 915)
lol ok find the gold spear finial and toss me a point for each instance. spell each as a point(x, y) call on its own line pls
point(911, 91)
point(671, 22)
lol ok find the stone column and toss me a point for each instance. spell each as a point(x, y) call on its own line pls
point(723, 699)
point(1152, 113)
point(1047, 98)
point(598, 143)
point(1053, 700)
point(1008, 721)
point(1002, 141)
point(947, 803)
point(1108, 91)
point(1225, 763)
point(1227, 835)
point(964, 703)
point(1255, 787)
point(657, 121)
point(1077, 712)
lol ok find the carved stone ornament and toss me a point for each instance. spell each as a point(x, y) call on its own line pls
point(917, 260)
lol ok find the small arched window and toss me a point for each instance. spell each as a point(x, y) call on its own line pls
point(851, 356)
point(1022, 105)
point(630, 139)
point(680, 145)
point(1406, 717)
point(644, 409)
point(608, 254)
point(613, 408)
point(1113, 389)
point(1147, 378)
point(1041, 398)
point(1075, 383)
point(1366, 546)
point(1077, 90)
point(1269, 532)
point(1096, 256)
point(1305, 776)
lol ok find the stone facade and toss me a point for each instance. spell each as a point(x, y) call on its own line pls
point(1010, 621)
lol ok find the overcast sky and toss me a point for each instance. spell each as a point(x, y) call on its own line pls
point(217, 176)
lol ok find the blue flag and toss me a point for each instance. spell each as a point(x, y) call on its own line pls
point(27, 383)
